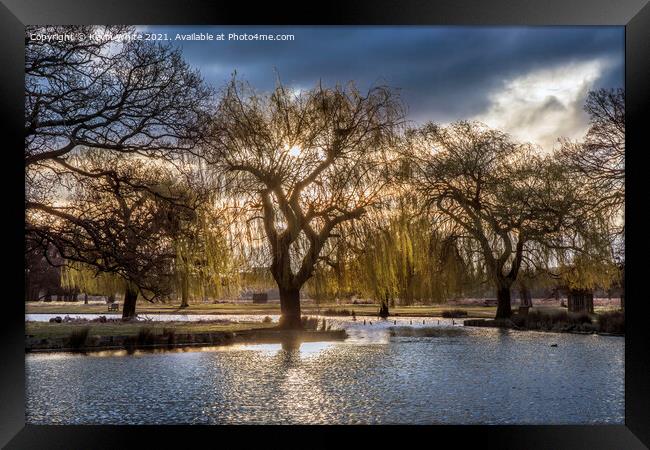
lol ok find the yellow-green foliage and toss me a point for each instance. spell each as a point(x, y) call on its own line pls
point(592, 265)
point(401, 261)
point(205, 266)
point(590, 272)
point(88, 280)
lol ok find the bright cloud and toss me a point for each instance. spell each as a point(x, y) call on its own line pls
point(543, 105)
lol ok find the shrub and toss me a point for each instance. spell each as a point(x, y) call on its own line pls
point(267, 319)
point(612, 322)
point(579, 318)
point(556, 321)
point(310, 323)
point(170, 334)
point(145, 336)
point(79, 337)
point(453, 313)
point(517, 320)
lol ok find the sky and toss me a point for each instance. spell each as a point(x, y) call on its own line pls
point(528, 81)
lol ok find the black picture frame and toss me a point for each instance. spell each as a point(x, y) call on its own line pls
point(633, 14)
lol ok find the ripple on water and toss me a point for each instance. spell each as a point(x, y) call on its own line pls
point(459, 376)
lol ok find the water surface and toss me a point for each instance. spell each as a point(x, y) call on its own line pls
point(445, 375)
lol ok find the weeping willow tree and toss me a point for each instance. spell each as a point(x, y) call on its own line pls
point(397, 258)
point(599, 162)
point(338, 275)
point(503, 194)
point(587, 261)
point(393, 265)
point(87, 279)
point(584, 272)
point(588, 272)
point(307, 162)
point(205, 265)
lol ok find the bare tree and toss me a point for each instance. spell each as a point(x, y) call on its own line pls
point(495, 192)
point(599, 161)
point(600, 158)
point(127, 96)
point(81, 94)
point(306, 162)
point(101, 95)
point(122, 218)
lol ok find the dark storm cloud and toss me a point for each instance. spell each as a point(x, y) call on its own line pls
point(444, 73)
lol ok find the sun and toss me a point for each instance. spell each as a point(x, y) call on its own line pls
point(295, 151)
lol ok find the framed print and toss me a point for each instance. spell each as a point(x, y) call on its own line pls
point(377, 222)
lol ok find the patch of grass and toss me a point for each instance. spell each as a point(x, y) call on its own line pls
point(453, 313)
point(612, 322)
point(337, 312)
point(46, 330)
point(361, 308)
point(79, 337)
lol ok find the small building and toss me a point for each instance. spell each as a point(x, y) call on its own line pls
point(580, 300)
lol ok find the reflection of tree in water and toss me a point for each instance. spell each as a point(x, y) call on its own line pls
point(289, 355)
point(301, 397)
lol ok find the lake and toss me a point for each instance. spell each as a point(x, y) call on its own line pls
point(442, 374)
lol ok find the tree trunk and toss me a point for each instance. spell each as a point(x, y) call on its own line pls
point(623, 289)
point(290, 308)
point(85, 299)
point(185, 288)
point(503, 302)
point(383, 309)
point(525, 297)
point(130, 298)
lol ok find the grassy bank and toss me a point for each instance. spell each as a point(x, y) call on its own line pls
point(331, 309)
point(47, 330)
point(93, 336)
point(606, 322)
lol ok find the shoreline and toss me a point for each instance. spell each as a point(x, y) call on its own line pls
point(345, 310)
point(509, 325)
point(170, 341)
point(324, 310)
